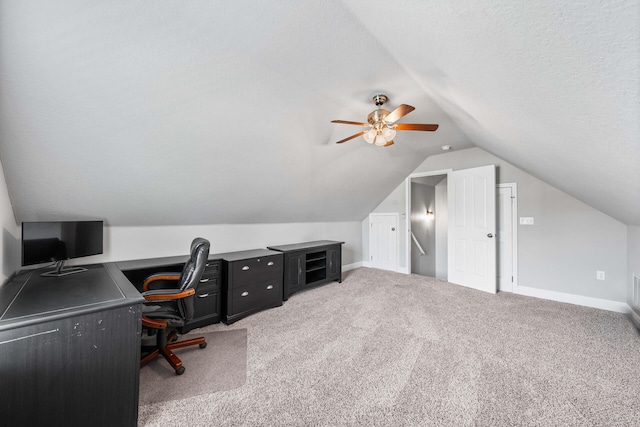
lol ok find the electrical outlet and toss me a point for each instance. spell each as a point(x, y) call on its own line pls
point(526, 220)
point(600, 275)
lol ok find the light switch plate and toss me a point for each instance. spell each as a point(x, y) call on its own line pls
point(526, 220)
point(599, 275)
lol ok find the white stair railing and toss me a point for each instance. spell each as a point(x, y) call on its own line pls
point(413, 236)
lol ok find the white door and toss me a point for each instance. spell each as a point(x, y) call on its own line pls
point(383, 241)
point(471, 195)
point(506, 198)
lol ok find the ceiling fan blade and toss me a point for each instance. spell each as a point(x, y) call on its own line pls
point(346, 122)
point(351, 137)
point(398, 113)
point(412, 126)
point(388, 143)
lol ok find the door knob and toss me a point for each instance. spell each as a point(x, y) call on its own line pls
point(393, 229)
point(489, 235)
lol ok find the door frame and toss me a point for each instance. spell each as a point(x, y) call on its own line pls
point(397, 215)
point(407, 209)
point(514, 233)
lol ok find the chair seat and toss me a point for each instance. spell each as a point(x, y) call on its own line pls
point(164, 312)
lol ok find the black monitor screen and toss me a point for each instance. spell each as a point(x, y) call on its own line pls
point(60, 240)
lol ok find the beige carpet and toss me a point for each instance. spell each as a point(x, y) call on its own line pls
point(388, 349)
point(222, 365)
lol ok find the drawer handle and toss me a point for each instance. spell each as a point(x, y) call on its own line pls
point(203, 295)
point(270, 287)
point(245, 268)
point(270, 263)
point(206, 265)
point(205, 280)
point(244, 294)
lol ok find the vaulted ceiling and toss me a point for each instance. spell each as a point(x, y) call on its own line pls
point(201, 112)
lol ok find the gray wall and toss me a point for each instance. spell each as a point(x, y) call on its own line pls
point(569, 240)
point(633, 256)
point(423, 198)
point(9, 252)
point(442, 232)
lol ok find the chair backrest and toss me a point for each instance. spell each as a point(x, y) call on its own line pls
point(192, 272)
point(193, 268)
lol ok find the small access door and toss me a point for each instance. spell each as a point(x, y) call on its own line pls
point(383, 241)
point(472, 227)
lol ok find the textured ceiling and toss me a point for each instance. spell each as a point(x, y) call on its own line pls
point(201, 112)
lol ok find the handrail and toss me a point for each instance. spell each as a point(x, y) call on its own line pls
point(413, 236)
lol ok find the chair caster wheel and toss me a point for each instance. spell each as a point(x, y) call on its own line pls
point(180, 370)
point(203, 345)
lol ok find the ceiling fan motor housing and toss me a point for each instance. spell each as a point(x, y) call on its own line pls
point(379, 99)
point(377, 116)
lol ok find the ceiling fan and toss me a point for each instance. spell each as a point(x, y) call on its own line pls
point(382, 126)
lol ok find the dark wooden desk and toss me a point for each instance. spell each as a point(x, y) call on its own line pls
point(70, 349)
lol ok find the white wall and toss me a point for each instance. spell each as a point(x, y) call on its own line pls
point(633, 257)
point(9, 252)
point(125, 243)
point(569, 240)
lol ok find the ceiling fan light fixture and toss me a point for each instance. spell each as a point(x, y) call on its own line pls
point(380, 141)
point(370, 136)
point(389, 133)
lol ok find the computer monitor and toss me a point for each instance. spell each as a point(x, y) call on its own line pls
point(58, 241)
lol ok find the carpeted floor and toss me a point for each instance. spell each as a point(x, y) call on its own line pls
point(221, 365)
point(388, 349)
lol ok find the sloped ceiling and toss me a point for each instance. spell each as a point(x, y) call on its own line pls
point(202, 112)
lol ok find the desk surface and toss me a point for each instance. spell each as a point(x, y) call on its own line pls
point(30, 298)
point(304, 246)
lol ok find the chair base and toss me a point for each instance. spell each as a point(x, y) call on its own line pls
point(167, 353)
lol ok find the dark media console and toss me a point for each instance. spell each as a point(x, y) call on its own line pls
point(310, 264)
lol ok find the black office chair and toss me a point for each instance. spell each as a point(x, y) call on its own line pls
point(170, 305)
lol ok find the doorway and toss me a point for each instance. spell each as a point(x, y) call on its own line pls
point(429, 226)
point(505, 231)
point(507, 237)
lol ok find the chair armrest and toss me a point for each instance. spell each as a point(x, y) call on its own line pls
point(154, 323)
point(167, 277)
point(167, 294)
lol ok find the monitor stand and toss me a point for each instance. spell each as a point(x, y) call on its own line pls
point(61, 271)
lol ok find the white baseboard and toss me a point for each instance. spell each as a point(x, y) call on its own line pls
point(603, 304)
point(353, 266)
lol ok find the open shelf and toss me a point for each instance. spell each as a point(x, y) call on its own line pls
point(316, 275)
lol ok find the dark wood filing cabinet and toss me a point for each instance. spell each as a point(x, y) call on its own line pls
point(252, 281)
point(310, 264)
point(208, 298)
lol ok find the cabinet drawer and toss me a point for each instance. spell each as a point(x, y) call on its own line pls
point(209, 281)
point(206, 301)
point(212, 269)
point(252, 270)
point(255, 296)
